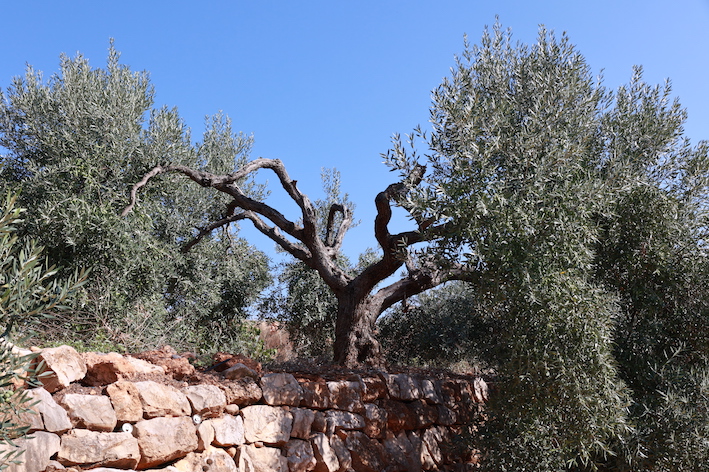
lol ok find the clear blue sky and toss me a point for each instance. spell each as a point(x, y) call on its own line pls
point(327, 83)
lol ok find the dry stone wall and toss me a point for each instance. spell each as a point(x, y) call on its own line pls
point(108, 412)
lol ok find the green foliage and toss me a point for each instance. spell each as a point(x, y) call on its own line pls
point(76, 144)
point(28, 292)
point(581, 217)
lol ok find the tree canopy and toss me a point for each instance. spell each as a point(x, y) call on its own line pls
point(75, 143)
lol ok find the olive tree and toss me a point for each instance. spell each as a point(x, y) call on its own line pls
point(75, 143)
point(582, 213)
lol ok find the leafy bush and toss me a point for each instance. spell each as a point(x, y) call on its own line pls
point(28, 292)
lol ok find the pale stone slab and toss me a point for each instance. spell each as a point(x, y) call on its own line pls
point(228, 430)
point(38, 452)
point(211, 460)
point(125, 399)
point(164, 439)
point(281, 389)
point(346, 395)
point(103, 369)
point(268, 424)
point(63, 365)
point(54, 417)
point(302, 422)
point(162, 400)
point(207, 401)
point(261, 459)
point(93, 412)
point(300, 456)
point(81, 446)
point(325, 455)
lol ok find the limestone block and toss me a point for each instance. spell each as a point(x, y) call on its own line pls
point(62, 366)
point(315, 394)
point(162, 400)
point(281, 389)
point(343, 454)
point(399, 416)
point(425, 415)
point(242, 392)
point(207, 401)
point(374, 389)
point(480, 390)
point(164, 439)
point(239, 371)
point(53, 417)
point(228, 430)
point(375, 421)
point(93, 412)
point(446, 416)
point(337, 420)
point(125, 399)
point(268, 424)
point(325, 455)
point(402, 386)
point(300, 455)
point(211, 460)
point(367, 453)
point(205, 435)
point(302, 422)
point(346, 395)
point(103, 369)
point(261, 459)
point(38, 452)
point(399, 454)
point(431, 441)
point(81, 446)
point(429, 392)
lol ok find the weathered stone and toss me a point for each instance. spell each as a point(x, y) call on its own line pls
point(374, 389)
point(211, 460)
point(315, 394)
point(176, 366)
point(346, 395)
point(240, 371)
point(367, 453)
point(38, 451)
point(205, 435)
point(104, 369)
point(343, 454)
point(399, 454)
point(62, 366)
point(300, 456)
point(261, 459)
point(337, 420)
point(53, 417)
point(281, 389)
point(429, 392)
point(125, 399)
point(302, 422)
point(93, 412)
point(241, 392)
point(375, 421)
point(480, 390)
point(165, 439)
point(399, 416)
point(446, 416)
point(424, 414)
point(207, 401)
point(81, 446)
point(319, 422)
point(228, 430)
point(225, 360)
point(232, 409)
point(268, 424)
point(162, 400)
point(402, 386)
point(431, 440)
point(325, 455)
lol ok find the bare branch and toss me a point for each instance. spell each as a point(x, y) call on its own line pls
point(334, 238)
point(209, 228)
